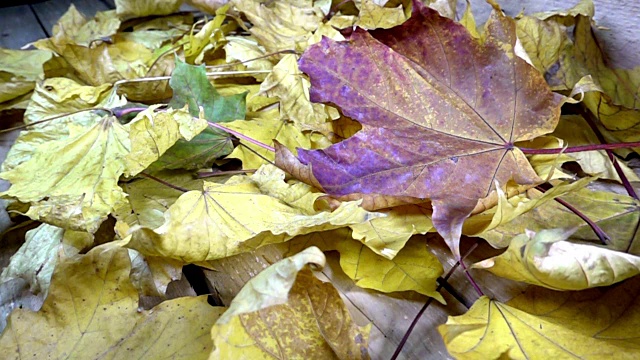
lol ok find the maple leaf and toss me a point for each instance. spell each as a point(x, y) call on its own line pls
point(440, 112)
point(547, 259)
point(285, 312)
point(19, 70)
point(617, 215)
point(192, 87)
point(414, 268)
point(96, 315)
point(212, 223)
point(136, 8)
point(491, 330)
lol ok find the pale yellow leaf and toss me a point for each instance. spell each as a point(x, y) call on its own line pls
point(374, 16)
point(289, 84)
point(547, 259)
point(127, 9)
point(73, 182)
point(284, 25)
point(214, 223)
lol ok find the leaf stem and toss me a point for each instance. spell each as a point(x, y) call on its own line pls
point(470, 278)
point(591, 120)
point(254, 59)
point(175, 187)
point(602, 235)
point(54, 118)
point(403, 341)
point(123, 112)
point(581, 148)
point(257, 154)
point(223, 173)
point(209, 74)
point(241, 136)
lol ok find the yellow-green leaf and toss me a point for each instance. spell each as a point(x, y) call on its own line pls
point(265, 130)
point(209, 38)
point(73, 182)
point(59, 96)
point(606, 314)
point(509, 209)
point(19, 71)
point(618, 215)
point(576, 131)
point(387, 235)
point(149, 199)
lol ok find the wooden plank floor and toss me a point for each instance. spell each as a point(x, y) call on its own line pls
point(389, 314)
point(20, 25)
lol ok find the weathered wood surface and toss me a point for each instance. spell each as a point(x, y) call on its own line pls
point(19, 26)
point(49, 12)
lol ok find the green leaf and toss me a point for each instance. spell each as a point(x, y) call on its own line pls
point(191, 87)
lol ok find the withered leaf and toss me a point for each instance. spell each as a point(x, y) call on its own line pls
point(440, 110)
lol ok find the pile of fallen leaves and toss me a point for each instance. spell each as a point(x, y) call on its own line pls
point(158, 138)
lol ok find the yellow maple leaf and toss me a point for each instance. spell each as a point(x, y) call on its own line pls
point(127, 9)
point(413, 268)
point(509, 209)
point(386, 236)
point(214, 223)
point(288, 83)
point(616, 214)
point(152, 133)
point(285, 25)
point(96, 316)
point(19, 71)
point(265, 130)
point(492, 330)
point(286, 312)
point(73, 182)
